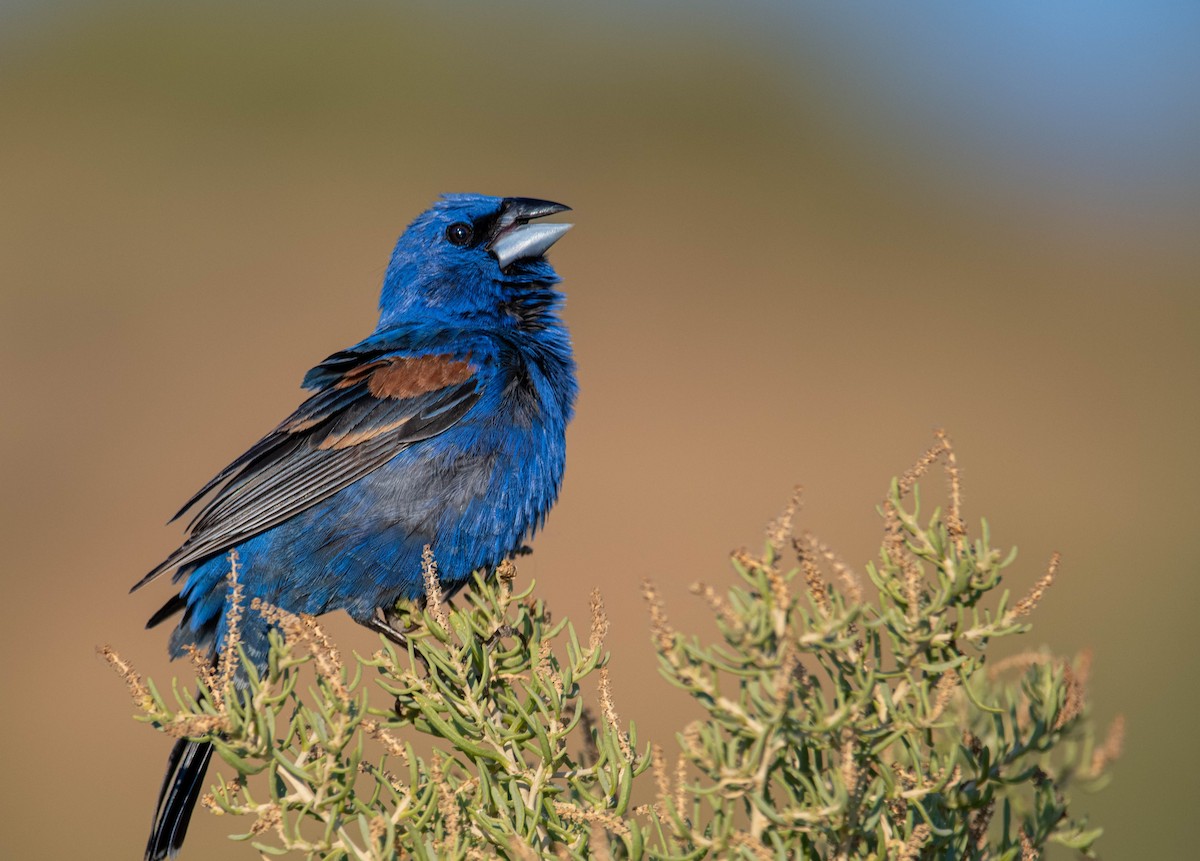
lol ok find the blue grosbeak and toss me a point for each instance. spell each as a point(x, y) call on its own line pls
point(445, 428)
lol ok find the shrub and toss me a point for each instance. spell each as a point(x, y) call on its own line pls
point(841, 718)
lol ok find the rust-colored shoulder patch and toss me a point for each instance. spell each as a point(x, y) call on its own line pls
point(409, 376)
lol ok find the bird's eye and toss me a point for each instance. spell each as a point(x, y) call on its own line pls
point(459, 233)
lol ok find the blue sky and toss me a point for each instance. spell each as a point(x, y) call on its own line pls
point(1075, 91)
point(1085, 99)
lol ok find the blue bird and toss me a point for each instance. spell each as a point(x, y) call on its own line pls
point(445, 427)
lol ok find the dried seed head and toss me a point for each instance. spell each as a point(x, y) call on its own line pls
point(303, 630)
point(133, 680)
point(377, 827)
point(663, 781)
point(813, 579)
point(227, 663)
point(692, 742)
point(599, 620)
point(206, 672)
point(1110, 749)
point(849, 765)
point(1027, 604)
point(850, 581)
point(954, 521)
point(1083, 665)
point(269, 816)
point(506, 574)
point(943, 693)
point(681, 794)
point(660, 628)
point(1029, 852)
point(979, 825)
point(433, 587)
point(914, 843)
point(545, 668)
point(918, 469)
point(391, 744)
point(779, 530)
point(1074, 697)
point(717, 604)
point(193, 726)
point(609, 710)
point(447, 802)
point(602, 818)
point(780, 595)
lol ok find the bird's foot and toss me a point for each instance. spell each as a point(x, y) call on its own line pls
point(502, 632)
point(384, 623)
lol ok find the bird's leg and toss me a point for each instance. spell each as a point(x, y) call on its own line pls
point(501, 632)
point(383, 622)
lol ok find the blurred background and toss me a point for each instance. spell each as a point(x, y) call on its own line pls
point(807, 234)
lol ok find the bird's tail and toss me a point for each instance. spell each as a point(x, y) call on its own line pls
point(177, 798)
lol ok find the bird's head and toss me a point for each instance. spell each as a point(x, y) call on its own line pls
point(466, 257)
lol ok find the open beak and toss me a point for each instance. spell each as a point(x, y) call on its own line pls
point(516, 239)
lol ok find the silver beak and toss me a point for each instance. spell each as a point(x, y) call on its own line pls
point(526, 240)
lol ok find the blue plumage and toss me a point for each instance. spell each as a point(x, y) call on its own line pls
point(445, 427)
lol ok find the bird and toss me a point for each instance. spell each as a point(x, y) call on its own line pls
point(445, 428)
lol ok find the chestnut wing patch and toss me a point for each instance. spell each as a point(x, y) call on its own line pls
point(361, 417)
point(410, 380)
point(408, 376)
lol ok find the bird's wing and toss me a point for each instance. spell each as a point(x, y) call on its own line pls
point(370, 404)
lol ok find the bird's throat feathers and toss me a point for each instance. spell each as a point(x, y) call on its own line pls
point(525, 297)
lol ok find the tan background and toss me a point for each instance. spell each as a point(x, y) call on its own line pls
point(769, 283)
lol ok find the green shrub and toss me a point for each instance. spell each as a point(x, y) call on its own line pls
point(841, 719)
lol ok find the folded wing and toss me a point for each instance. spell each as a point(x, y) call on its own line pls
point(370, 405)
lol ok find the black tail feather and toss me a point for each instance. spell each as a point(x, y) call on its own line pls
point(177, 798)
point(167, 610)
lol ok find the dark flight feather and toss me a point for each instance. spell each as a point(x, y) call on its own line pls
point(336, 437)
